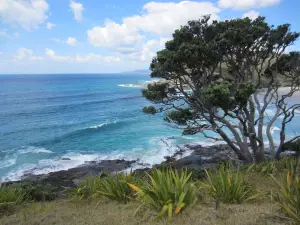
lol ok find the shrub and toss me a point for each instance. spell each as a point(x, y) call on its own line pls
point(87, 189)
point(11, 194)
point(10, 197)
point(167, 191)
point(289, 195)
point(116, 187)
point(112, 186)
point(228, 186)
point(265, 168)
point(39, 192)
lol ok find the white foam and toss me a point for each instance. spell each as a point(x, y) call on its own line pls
point(46, 166)
point(144, 157)
point(132, 85)
point(97, 126)
point(32, 149)
point(8, 162)
point(101, 125)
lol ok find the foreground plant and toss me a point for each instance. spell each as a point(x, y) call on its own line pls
point(167, 191)
point(113, 186)
point(227, 185)
point(265, 168)
point(116, 187)
point(87, 189)
point(12, 195)
point(289, 195)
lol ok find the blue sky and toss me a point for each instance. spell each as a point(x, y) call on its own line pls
point(101, 36)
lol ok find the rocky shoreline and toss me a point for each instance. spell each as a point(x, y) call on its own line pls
point(201, 157)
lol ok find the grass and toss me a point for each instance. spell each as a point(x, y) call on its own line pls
point(289, 195)
point(227, 184)
point(168, 192)
point(112, 213)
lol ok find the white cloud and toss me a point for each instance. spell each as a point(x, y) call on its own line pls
point(148, 50)
point(113, 34)
point(163, 18)
point(50, 25)
point(251, 14)
point(27, 14)
point(91, 57)
point(71, 41)
point(51, 54)
point(247, 4)
point(26, 54)
point(3, 33)
point(77, 9)
point(158, 18)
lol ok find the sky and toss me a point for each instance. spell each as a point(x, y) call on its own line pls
point(111, 36)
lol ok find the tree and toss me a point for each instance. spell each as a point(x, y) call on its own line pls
point(222, 77)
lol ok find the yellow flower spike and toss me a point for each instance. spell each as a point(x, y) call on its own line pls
point(134, 187)
point(177, 210)
point(229, 181)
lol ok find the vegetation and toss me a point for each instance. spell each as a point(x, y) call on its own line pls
point(219, 78)
point(228, 186)
point(168, 191)
point(111, 186)
point(289, 195)
point(38, 192)
point(12, 195)
point(266, 168)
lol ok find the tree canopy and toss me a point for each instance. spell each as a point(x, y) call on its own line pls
point(222, 76)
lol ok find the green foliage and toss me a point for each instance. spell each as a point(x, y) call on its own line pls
point(11, 194)
point(167, 191)
point(111, 186)
point(156, 91)
point(116, 187)
point(10, 197)
point(265, 168)
point(39, 192)
point(289, 195)
point(227, 96)
point(180, 117)
point(149, 110)
point(87, 189)
point(228, 186)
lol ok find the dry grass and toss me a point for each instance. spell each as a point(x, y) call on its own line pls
point(112, 213)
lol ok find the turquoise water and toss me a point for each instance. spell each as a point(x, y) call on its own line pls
point(82, 117)
point(45, 118)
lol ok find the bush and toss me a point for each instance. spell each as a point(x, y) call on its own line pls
point(10, 197)
point(265, 168)
point(289, 195)
point(228, 186)
point(112, 186)
point(11, 194)
point(39, 192)
point(87, 189)
point(116, 187)
point(167, 191)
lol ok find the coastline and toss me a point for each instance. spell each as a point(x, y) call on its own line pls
point(191, 156)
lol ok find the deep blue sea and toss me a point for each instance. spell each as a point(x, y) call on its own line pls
point(48, 118)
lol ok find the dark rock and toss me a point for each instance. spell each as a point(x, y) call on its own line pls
point(65, 159)
point(71, 177)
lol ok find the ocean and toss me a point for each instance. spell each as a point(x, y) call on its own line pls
point(56, 122)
